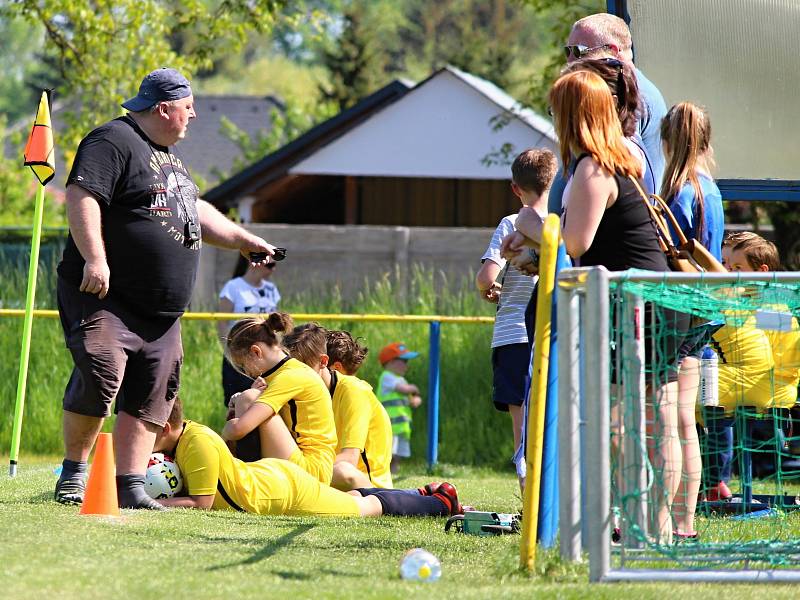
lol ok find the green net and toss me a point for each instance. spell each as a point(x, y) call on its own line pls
point(712, 447)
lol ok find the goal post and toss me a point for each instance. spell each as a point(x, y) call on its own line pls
point(601, 481)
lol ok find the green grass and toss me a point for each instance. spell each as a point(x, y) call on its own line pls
point(49, 550)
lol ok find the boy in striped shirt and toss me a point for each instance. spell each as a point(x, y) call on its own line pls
point(532, 174)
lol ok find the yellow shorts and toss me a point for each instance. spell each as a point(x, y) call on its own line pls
point(313, 498)
point(314, 465)
point(279, 487)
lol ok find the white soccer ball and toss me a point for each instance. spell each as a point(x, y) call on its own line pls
point(162, 478)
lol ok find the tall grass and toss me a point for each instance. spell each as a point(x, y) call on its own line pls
point(471, 430)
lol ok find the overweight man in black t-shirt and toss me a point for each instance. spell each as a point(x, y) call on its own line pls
point(136, 228)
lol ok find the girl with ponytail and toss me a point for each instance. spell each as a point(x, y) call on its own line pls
point(696, 202)
point(688, 187)
point(305, 433)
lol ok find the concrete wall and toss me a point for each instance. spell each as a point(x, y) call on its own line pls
point(321, 256)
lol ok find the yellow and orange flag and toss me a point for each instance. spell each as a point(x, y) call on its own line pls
point(39, 151)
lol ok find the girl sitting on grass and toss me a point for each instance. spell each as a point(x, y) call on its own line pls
point(305, 433)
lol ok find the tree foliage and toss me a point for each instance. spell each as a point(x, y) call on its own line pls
point(101, 50)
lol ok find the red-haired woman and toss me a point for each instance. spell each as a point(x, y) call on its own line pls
point(605, 222)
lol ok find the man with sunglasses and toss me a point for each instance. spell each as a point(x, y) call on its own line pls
point(603, 35)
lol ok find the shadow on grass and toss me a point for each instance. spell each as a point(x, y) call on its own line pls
point(270, 549)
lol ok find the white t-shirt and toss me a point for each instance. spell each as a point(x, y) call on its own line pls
point(246, 298)
point(509, 323)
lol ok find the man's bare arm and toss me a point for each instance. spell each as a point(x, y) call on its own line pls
point(220, 231)
point(85, 225)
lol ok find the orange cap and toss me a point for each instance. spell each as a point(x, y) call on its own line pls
point(395, 350)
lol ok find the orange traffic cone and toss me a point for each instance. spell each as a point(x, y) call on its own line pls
point(101, 489)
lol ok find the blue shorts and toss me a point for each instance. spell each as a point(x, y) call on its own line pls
point(510, 375)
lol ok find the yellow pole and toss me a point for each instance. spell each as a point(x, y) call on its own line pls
point(538, 392)
point(361, 318)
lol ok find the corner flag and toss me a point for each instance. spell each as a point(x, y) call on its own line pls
point(40, 157)
point(39, 151)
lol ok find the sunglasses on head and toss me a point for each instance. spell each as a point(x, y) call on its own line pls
point(579, 50)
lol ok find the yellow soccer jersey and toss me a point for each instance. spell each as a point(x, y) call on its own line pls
point(745, 366)
point(270, 486)
point(362, 423)
point(297, 393)
point(786, 353)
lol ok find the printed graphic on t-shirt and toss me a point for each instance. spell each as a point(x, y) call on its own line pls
point(174, 188)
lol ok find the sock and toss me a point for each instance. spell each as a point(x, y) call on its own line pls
point(131, 494)
point(400, 503)
point(70, 469)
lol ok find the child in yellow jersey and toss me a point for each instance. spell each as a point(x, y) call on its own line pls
point(305, 434)
point(757, 367)
point(364, 449)
point(214, 479)
point(345, 353)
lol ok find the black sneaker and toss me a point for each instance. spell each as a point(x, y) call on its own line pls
point(70, 491)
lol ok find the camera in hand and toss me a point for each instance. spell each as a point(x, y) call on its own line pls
point(279, 254)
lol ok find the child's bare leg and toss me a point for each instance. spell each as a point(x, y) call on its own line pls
point(517, 414)
point(686, 498)
point(347, 477)
point(665, 450)
point(276, 441)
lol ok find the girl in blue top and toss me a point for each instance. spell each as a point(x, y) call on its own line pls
point(696, 202)
point(688, 187)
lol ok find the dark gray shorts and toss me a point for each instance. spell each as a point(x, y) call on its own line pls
point(119, 356)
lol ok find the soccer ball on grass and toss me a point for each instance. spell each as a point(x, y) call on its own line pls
point(162, 478)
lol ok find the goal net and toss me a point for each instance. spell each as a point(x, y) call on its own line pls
point(680, 473)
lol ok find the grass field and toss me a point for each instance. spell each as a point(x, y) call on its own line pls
point(49, 551)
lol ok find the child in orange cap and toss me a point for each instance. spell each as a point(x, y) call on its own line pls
point(398, 397)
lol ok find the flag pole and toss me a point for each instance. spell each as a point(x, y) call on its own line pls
point(40, 157)
point(33, 269)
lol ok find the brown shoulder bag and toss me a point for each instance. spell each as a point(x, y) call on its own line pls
point(689, 256)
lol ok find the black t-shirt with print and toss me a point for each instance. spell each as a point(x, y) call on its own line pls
point(146, 199)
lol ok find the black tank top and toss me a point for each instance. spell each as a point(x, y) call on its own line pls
point(626, 237)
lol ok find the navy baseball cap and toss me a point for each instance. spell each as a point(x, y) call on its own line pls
point(161, 85)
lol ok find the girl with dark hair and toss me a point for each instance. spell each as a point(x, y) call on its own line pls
point(305, 433)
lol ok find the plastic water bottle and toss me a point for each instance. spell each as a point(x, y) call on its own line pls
point(709, 378)
point(420, 565)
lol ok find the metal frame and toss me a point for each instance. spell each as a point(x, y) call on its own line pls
point(761, 190)
point(588, 288)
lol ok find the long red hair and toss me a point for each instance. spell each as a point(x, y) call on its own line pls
point(586, 121)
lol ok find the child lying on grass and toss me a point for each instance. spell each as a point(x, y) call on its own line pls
point(214, 479)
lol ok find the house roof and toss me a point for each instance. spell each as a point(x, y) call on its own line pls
point(446, 126)
point(208, 152)
point(452, 125)
point(277, 163)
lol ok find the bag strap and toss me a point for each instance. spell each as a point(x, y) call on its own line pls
point(665, 210)
point(664, 237)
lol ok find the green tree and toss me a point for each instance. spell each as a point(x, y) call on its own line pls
point(101, 50)
point(352, 61)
